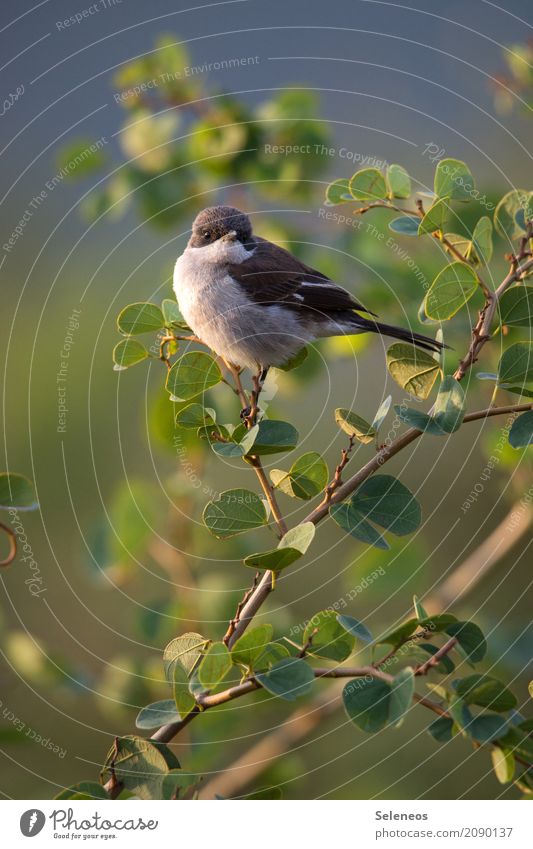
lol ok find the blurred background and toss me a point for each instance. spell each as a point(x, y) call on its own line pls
point(120, 122)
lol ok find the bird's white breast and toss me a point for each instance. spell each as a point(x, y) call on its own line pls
point(223, 317)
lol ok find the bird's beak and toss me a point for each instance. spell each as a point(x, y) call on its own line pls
point(230, 237)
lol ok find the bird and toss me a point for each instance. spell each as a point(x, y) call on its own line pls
point(256, 305)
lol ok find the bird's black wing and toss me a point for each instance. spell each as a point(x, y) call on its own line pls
point(273, 275)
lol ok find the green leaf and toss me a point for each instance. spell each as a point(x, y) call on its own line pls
point(16, 491)
point(401, 696)
point(399, 181)
point(486, 692)
point(128, 353)
point(186, 650)
point(248, 648)
point(157, 714)
point(272, 437)
point(354, 425)
point(441, 729)
point(449, 406)
point(139, 765)
point(368, 184)
point(508, 225)
point(215, 665)
point(307, 477)
point(450, 291)
point(83, 790)
point(172, 315)
point(453, 180)
point(420, 612)
point(235, 512)
point(367, 703)
point(355, 628)
point(521, 433)
point(353, 523)
point(272, 653)
point(328, 637)
point(183, 698)
point(289, 678)
point(236, 448)
point(487, 727)
point(338, 192)
point(194, 416)
point(448, 413)
point(386, 501)
point(470, 638)
point(400, 634)
point(516, 364)
point(482, 239)
point(194, 373)
point(503, 763)
point(516, 306)
point(291, 547)
point(140, 318)
point(406, 225)
point(414, 370)
point(177, 780)
point(435, 217)
point(381, 414)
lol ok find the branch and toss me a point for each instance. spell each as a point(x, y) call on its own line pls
point(389, 451)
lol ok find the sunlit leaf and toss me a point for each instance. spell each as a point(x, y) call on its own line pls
point(452, 289)
point(234, 512)
point(414, 370)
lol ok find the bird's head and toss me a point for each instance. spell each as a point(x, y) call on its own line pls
point(220, 223)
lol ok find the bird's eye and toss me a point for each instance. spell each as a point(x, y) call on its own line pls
point(206, 234)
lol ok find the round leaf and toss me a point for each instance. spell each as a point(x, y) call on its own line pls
point(453, 180)
point(367, 703)
point(516, 307)
point(16, 491)
point(516, 364)
point(399, 181)
point(435, 217)
point(328, 637)
point(368, 184)
point(521, 433)
point(470, 638)
point(194, 416)
point(355, 628)
point(235, 512)
point(128, 353)
point(507, 220)
point(354, 425)
point(414, 370)
point(486, 692)
point(272, 437)
point(482, 239)
point(192, 374)
point(250, 647)
point(406, 225)
point(215, 665)
point(352, 522)
point(450, 291)
point(289, 678)
point(338, 192)
point(140, 318)
point(291, 547)
point(157, 714)
point(385, 501)
point(401, 696)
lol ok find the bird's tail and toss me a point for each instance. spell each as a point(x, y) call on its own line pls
point(418, 339)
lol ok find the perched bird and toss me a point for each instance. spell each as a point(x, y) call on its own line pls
point(254, 304)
